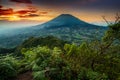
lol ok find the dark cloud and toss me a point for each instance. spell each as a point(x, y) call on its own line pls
point(22, 12)
point(22, 1)
point(44, 12)
point(1, 6)
point(105, 5)
point(80, 4)
point(33, 15)
point(29, 15)
point(61, 2)
point(73, 4)
point(25, 11)
point(8, 11)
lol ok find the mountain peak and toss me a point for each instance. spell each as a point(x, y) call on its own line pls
point(64, 20)
point(66, 15)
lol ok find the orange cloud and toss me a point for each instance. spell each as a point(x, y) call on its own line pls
point(11, 15)
point(28, 14)
point(8, 11)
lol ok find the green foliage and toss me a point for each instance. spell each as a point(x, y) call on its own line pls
point(83, 54)
point(110, 65)
point(47, 63)
point(88, 56)
point(36, 55)
point(86, 74)
point(8, 67)
point(39, 75)
point(113, 33)
point(71, 49)
point(6, 50)
point(49, 41)
point(7, 71)
point(51, 59)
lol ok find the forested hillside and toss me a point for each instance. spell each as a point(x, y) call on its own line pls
point(50, 58)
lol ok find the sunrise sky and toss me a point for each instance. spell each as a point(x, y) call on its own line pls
point(21, 13)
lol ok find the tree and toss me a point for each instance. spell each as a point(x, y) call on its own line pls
point(112, 34)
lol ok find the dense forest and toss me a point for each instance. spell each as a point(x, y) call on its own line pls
point(50, 58)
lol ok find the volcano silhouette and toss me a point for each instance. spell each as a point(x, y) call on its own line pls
point(66, 20)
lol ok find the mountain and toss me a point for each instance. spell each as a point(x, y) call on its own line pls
point(65, 26)
point(66, 20)
point(63, 20)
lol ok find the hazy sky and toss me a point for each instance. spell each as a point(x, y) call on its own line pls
point(31, 12)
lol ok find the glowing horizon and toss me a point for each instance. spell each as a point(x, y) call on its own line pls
point(42, 10)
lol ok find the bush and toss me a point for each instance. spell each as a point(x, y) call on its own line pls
point(8, 67)
point(7, 72)
point(86, 74)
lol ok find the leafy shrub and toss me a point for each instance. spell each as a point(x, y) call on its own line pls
point(39, 75)
point(7, 71)
point(8, 67)
point(86, 74)
point(47, 63)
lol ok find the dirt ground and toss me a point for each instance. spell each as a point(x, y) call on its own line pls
point(25, 76)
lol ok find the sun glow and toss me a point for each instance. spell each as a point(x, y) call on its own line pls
point(13, 18)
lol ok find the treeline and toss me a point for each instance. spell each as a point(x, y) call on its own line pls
point(49, 41)
point(50, 58)
point(6, 50)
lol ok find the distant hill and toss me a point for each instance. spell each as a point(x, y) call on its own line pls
point(65, 26)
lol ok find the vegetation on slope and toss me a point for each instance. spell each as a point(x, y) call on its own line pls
point(97, 60)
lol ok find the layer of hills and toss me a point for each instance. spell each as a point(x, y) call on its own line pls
point(65, 26)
